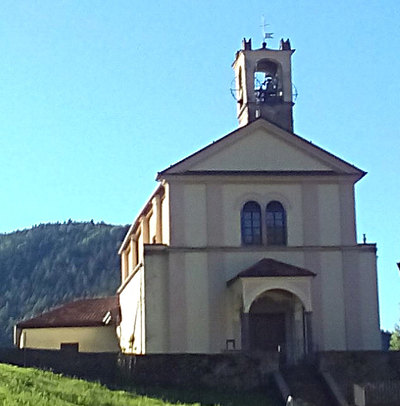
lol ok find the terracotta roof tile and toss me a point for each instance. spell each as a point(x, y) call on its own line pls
point(80, 313)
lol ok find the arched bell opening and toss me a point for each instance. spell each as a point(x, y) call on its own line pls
point(268, 82)
point(277, 321)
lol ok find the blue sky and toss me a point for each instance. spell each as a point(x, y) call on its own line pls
point(98, 96)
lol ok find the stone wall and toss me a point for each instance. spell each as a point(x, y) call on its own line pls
point(91, 366)
point(231, 370)
point(377, 393)
point(360, 367)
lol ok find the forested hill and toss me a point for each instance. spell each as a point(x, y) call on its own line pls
point(52, 264)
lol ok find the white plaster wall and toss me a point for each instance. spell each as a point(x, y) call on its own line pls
point(197, 303)
point(152, 227)
point(140, 247)
point(124, 265)
point(347, 213)
point(332, 297)
point(299, 286)
point(189, 307)
point(90, 339)
point(132, 318)
point(156, 300)
point(369, 318)
point(353, 306)
point(217, 302)
point(130, 258)
point(235, 195)
point(260, 151)
point(234, 305)
point(177, 302)
point(195, 216)
point(165, 217)
point(329, 214)
point(176, 209)
point(182, 296)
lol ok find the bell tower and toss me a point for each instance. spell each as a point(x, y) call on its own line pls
point(264, 84)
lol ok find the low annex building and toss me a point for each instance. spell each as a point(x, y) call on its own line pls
point(86, 325)
point(250, 243)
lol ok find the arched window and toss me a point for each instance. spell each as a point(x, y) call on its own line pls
point(276, 224)
point(251, 224)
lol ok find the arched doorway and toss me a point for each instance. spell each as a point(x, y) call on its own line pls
point(277, 323)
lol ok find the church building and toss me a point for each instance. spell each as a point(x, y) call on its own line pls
point(249, 244)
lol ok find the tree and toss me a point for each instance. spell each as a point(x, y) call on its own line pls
point(49, 264)
point(395, 339)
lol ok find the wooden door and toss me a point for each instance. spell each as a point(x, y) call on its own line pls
point(267, 331)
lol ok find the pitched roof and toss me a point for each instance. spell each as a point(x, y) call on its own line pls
point(80, 313)
point(268, 267)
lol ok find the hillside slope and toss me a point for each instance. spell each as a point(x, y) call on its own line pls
point(32, 387)
point(51, 264)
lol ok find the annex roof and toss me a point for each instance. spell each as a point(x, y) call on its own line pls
point(80, 313)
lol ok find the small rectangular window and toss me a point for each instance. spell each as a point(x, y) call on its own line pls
point(70, 347)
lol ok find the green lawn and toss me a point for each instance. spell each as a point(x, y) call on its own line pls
point(33, 387)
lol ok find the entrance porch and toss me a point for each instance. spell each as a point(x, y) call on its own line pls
point(274, 302)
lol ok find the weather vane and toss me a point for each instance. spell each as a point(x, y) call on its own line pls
point(266, 35)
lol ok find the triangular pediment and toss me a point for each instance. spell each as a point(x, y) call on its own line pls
point(264, 148)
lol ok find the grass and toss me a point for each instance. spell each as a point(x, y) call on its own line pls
point(34, 387)
point(210, 397)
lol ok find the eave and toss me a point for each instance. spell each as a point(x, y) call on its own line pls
point(265, 176)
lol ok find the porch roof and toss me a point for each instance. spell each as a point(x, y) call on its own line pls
point(268, 267)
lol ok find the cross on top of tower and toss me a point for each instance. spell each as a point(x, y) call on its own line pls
point(266, 35)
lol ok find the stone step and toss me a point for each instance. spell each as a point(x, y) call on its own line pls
point(306, 385)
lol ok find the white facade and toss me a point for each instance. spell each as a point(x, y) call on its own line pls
point(181, 258)
point(86, 339)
